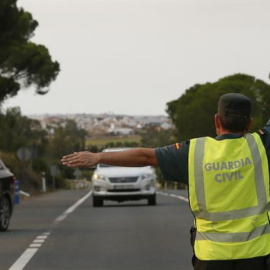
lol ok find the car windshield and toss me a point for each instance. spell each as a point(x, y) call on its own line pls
point(102, 165)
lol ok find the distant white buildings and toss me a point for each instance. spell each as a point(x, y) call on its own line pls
point(106, 123)
point(120, 131)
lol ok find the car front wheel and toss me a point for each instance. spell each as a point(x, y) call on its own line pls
point(152, 200)
point(97, 201)
point(5, 212)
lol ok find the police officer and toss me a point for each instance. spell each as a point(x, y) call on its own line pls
point(228, 180)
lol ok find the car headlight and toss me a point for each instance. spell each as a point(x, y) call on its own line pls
point(146, 176)
point(99, 177)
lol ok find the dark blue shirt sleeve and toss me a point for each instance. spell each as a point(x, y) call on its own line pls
point(266, 140)
point(173, 162)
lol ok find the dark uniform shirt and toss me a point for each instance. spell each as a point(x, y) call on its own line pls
point(173, 159)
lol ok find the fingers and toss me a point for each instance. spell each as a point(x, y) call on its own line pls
point(80, 159)
point(70, 160)
point(73, 164)
point(71, 155)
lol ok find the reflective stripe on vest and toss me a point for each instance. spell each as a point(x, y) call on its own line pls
point(249, 239)
point(234, 237)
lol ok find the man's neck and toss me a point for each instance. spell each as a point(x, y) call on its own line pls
point(224, 132)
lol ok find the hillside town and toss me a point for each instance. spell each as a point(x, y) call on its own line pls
point(110, 124)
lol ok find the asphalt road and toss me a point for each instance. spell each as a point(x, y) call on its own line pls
point(62, 230)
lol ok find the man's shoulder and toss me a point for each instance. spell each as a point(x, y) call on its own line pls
point(175, 148)
point(266, 128)
point(264, 134)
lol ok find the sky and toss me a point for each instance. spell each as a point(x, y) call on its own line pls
point(133, 57)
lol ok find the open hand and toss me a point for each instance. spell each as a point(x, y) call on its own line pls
point(80, 159)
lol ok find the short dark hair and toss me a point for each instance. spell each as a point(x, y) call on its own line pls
point(234, 111)
point(234, 105)
point(233, 124)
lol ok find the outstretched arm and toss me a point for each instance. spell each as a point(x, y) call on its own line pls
point(137, 157)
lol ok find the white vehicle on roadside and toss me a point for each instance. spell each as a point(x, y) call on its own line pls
point(123, 183)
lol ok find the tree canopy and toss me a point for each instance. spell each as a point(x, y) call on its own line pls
point(66, 138)
point(193, 113)
point(47, 145)
point(22, 62)
point(17, 130)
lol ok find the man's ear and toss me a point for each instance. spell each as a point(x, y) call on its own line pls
point(250, 121)
point(217, 124)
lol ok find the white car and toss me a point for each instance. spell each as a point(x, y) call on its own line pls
point(123, 183)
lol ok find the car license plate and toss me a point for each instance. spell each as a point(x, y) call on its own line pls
point(123, 187)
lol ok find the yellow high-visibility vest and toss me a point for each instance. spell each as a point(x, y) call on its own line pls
point(229, 196)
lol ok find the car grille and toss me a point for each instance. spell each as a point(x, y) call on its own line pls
point(123, 190)
point(120, 180)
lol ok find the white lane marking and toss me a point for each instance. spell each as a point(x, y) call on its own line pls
point(60, 218)
point(29, 252)
point(173, 196)
point(78, 203)
point(182, 198)
point(37, 243)
point(24, 259)
point(42, 237)
point(72, 208)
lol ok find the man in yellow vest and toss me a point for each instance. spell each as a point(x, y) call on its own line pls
point(228, 180)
